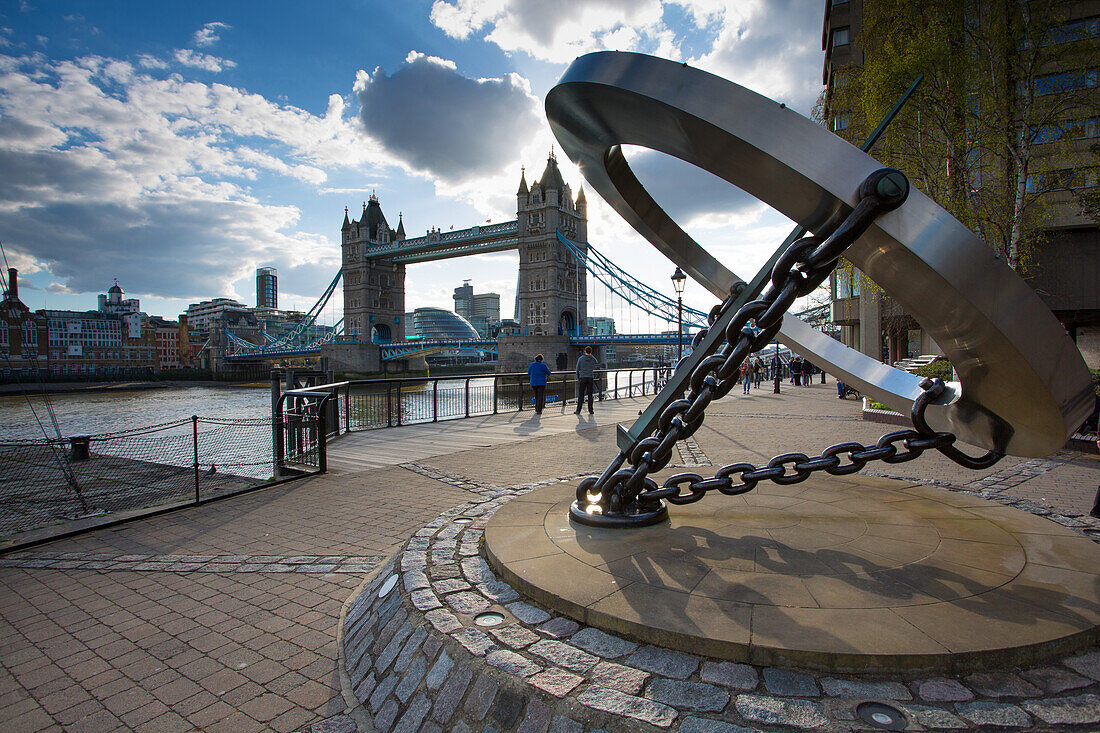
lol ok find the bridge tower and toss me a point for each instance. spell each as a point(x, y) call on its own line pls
point(374, 289)
point(374, 295)
point(552, 290)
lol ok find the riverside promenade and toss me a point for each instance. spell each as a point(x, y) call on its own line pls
point(226, 616)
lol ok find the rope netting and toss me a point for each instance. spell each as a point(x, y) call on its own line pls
point(49, 481)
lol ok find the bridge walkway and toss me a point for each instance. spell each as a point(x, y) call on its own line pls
point(359, 451)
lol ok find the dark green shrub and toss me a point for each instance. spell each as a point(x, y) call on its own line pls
point(940, 369)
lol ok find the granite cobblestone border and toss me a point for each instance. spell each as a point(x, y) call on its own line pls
point(417, 659)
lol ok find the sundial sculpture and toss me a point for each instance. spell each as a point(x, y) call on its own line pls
point(1023, 386)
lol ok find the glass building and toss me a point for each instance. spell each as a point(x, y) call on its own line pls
point(436, 323)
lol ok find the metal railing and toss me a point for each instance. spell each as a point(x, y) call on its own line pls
point(57, 481)
point(369, 404)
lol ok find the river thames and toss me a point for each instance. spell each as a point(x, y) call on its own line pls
point(94, 413)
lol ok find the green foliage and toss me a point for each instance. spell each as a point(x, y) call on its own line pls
point(938, 369)
point(968, 137)
point(1095, 381)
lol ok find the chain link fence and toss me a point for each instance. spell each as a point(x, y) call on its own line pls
point(45, 482)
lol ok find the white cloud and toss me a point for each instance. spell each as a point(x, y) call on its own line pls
point(146, 61)
point(199, 60)
point(209, 34)
point(773, 48)
point(554, 31)
point(111, 172)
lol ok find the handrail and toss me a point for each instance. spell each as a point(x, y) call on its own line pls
point(450, 377)
point(307, 394)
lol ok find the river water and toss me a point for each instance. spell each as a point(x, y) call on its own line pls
point(94, 413)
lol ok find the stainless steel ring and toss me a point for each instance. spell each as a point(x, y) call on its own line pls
point(1023, 385)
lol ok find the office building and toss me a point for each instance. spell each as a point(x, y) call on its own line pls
point(1002, 133)
point(482, 310)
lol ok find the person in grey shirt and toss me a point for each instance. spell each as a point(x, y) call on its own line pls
point(586, 378)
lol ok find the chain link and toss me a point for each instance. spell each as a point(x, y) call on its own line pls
point(799, 270)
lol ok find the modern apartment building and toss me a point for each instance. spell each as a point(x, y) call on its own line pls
point(267, 287)
point(200, 316)
point(1005, 139)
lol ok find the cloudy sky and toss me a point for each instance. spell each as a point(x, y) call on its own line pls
point(179, 146)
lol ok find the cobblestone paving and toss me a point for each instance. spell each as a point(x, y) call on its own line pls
point(215, 618)
point(691, 454)
point(229, 647)
point(415, 655)
point(193, 563)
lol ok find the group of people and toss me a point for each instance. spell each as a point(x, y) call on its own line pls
point(752, 374)
point(802, 371)
point(538, 372)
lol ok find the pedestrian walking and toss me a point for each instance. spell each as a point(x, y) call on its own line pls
point(807, 373)
point(538, 372)
point(757, 372)
point(586, 378)
point(796, 371)
point(746, 376)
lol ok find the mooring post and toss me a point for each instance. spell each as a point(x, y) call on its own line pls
point(195, 433)
point(322, 437)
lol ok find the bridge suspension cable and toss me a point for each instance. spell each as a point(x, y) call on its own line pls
point(632, 290)
point(286, 342)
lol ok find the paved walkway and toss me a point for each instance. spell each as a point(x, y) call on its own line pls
point(223, 617)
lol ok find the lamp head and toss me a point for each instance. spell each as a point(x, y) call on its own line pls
point(679, 279)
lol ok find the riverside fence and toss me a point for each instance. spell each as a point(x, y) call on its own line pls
point(44, 482)
point(370, 404)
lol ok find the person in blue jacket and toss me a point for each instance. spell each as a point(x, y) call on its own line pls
point(538, 372)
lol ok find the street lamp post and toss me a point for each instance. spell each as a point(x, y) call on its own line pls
point(679, 279)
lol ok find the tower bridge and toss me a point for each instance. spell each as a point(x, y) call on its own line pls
point(550, 234)
point(552, 284)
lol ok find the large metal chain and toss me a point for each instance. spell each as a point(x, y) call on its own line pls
point(914, 443)
point(799, 270)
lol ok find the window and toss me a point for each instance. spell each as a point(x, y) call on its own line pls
point(841, 121)
point(1075, 30)
point(840, 37)
point(1061, 180)
point(1068, 81)
point(1074, 130)
point(847, 283)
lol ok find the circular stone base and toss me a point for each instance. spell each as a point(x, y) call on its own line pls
point(846, 574)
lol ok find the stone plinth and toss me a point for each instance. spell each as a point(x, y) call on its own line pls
point(846, 574)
